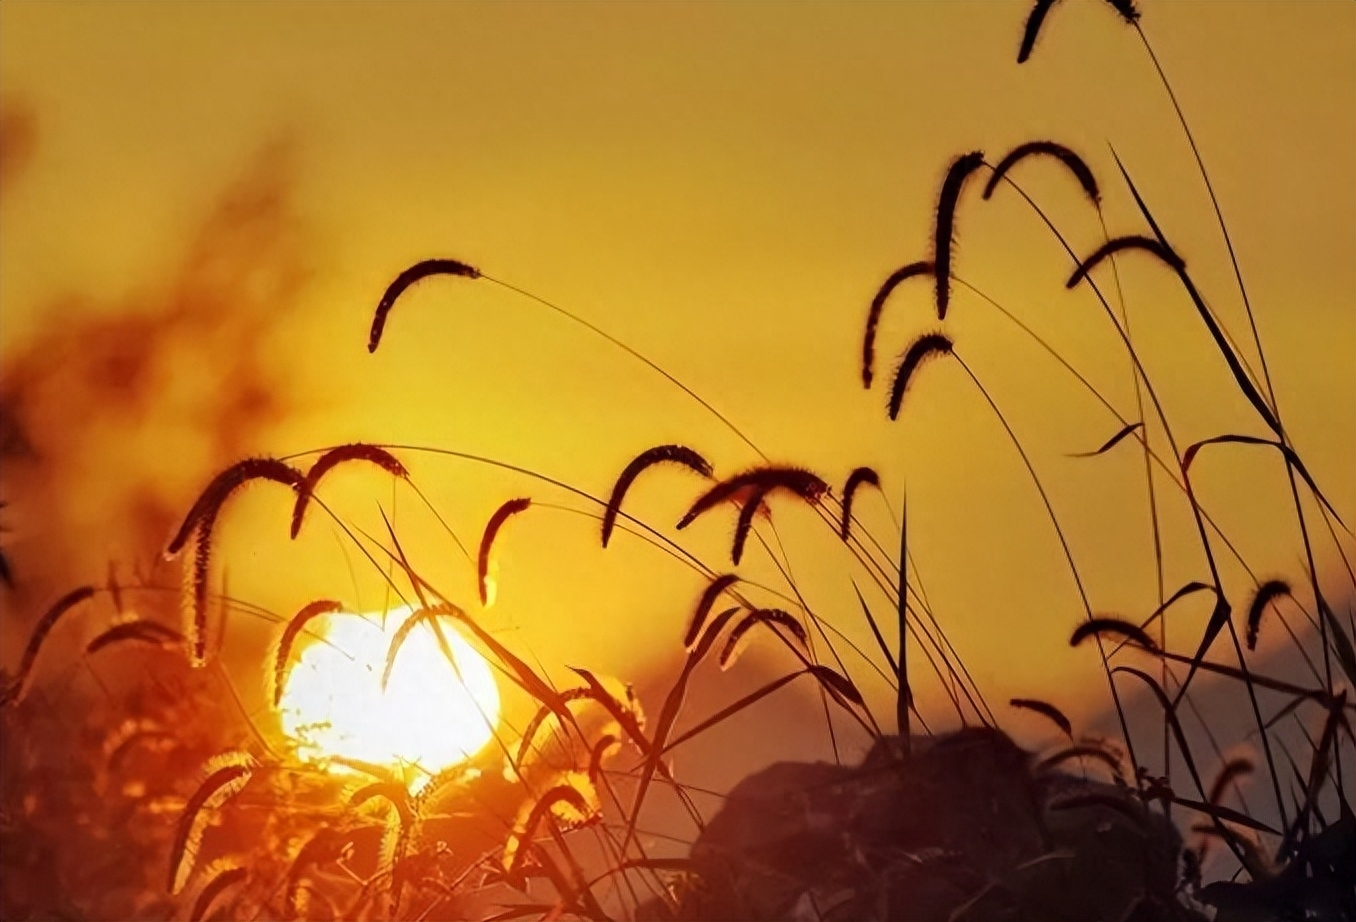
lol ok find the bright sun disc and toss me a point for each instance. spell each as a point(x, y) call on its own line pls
point(430, 716)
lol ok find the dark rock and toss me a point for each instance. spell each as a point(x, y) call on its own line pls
point(959, 830)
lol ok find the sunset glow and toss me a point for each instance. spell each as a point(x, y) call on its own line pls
point(431, 715)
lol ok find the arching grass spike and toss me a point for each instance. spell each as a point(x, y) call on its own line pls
point(138, 630)
point(418, 272)
point(859, 477)
point(944, 232)
point(1229, 774)
point(15, 692)
point(222, 879)
point(295, 626)
point(1096, 627)
point(221, 488)
point(501, 515)
point(525, 829)
point(227, 775)
point(331, 459)
point(759, 480)
point(1161, 251)
point(1034, 20)
point(923, 348)
point(1268, 592)
point(707, 601)
point(1041, 8)
point(1046, 710)
point(1059, 152)
point(767, 616)
point(897, 278)
point(662, 454)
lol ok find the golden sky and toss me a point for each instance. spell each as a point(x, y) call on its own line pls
point(722, 186)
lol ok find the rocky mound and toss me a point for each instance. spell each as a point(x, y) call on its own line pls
point(959, 831)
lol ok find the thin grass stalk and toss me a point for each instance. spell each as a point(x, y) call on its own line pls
point(1258, 679)
point(1241, 379)
point(708, 572)
point(344, 526)
point(875, 633)
point(668, 714)
point(1154, 526)
point(443, 522)
point(1224, 832)
point(814, 655)
point(957, 672)
point(1219, 214)
point(638, 356)
point(730, 710)
point(948, 688)
point(512, 669)
point(904, 697)
point(1068, 556)
point(784, 566)
point(1173, 474)
point(1172, 442)
point(1319, 601)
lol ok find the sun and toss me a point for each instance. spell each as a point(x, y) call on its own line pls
point(432, 714)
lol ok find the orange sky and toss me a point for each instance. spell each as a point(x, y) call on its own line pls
point(723, 186)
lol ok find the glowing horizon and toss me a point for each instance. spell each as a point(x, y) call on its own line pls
point(431, 715)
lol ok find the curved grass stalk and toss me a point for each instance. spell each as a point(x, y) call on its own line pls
point(1172, 442)
point(1068, 556)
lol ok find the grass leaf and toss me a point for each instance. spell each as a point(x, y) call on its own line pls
point(1110, 443)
